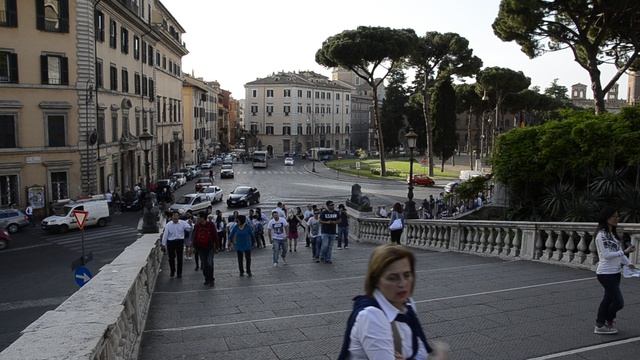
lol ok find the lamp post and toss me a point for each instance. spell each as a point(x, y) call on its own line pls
point(88, 98)
point(146, 142)
point(149, 218)
point(410, 205)
point(313, 145)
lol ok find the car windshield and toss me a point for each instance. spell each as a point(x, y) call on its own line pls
point(209, 190)
point(241, 190)
point(227, 166)
point(204, 180)
point(185, 200)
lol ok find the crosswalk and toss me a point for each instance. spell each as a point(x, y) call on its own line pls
point(270, 172)
point(111, 239)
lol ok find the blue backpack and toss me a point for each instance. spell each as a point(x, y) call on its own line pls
point(362, 302)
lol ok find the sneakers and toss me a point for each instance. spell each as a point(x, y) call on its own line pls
point(249, 274)
point(346, 247)
point(275, 264)
point(284, 261)
point(605, 330)
point(339, 247)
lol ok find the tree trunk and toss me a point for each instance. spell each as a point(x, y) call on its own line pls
point(378, 125)
point(427, 121)
point(598, 94)
point(469, 152)
point(637, 176)
point(443, 161)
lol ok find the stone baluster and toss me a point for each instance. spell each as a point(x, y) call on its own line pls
point(537, 254)
point(432, 236)
point(440, 236)
point(581, 256)
point(484, 239)
point(478, 240)
point(517, 243)
point(491, 240)
point(592, 257)
point(445, 241)
point(465, 238)
point(497, 243)
point(549, 244)
point(559, 245)
point(508, 242)
point(423, 235)
point(570, 248)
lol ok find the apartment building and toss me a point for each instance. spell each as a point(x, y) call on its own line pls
point(79, 81)
point(199, 124)
point(296, 111)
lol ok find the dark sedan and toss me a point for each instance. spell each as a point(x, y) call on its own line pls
point(243, 196)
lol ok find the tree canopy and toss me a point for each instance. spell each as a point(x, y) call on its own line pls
point(443, 107)
point(597, 32)
point(368, 51)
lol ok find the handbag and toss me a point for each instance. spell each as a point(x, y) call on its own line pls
point(396, 224)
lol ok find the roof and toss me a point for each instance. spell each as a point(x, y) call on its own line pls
point(302, 78)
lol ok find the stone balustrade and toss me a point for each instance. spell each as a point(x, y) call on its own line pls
point(562, 243)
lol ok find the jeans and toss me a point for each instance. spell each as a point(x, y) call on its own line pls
point(327, 244)
point(612, 302)
point(206, 259)
point(175, 249)
point(343, 235)
point(395, 236)
point(316, 245)
point(279, 248)
point(247, 257)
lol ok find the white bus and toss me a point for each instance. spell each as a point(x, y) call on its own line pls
point(260, 159)
point(322, 154)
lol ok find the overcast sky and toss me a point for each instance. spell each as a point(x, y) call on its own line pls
point(237, 41)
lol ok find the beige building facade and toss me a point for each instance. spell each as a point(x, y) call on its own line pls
point(292, 112)
point(79, 82)
point(199, 125)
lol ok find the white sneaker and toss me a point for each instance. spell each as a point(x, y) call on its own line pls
point(275, 264)
point(604, 330)
point(284, 261)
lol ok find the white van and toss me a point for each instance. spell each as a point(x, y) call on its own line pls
point(98, 215)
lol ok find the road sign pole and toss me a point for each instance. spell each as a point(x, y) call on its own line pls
point(82, 240)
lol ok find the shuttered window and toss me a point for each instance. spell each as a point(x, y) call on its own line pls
point(54, 70)
point(52, 15)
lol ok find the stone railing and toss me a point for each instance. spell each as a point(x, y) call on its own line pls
point(104, 319)
point(562, 243)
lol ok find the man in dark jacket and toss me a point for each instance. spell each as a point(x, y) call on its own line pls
point(205, 237)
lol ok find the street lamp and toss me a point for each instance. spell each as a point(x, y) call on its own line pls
point(313, 144)
point(146, 142)
point(410, 205)
point(149, 217)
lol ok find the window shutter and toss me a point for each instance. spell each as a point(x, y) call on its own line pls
point(64, 16)
point(44, 69)
point(12, 13)
point(40, 14)
point(151, 94)
point(13, 68)
point(64, 70)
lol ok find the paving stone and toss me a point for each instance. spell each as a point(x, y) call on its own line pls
point(265, 339)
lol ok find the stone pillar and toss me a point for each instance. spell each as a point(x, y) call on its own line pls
point(529, 237)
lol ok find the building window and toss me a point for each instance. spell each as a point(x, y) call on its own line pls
point(269, 129)
point(158, 58)
point(346, 97)
point(113, 78)
point(308, 109)
point(144, 86)
point(125, 81)
point(287, 110)
point(328, 127)
point(164, 62)
point(308, 129)
point(52, 15)
point(59, 185)
point(286, 130)
point(56, 131)
point(299, 93)
point(299, 130)
point(124, 40)
point(254, 128)
point(299, 109)
point(54, 70)
point(7, 131)
point(99, 74)
point(337, 129)
point(144, 52)
point(346, 129)
point(150, 55)
point(328, 109)
point(287, 93)
point(99, 25)
point(269, 93)
point(136, 47)
point(254, 93)
point(8, 13)
point(114, 126)
point(8, 67)
point(254, 110)
point(136, 83)
point(322, 95)
point(101, 128)
point(113, 34)
point(337, 96)
point(151, 92)
point(317, 94)
point(317, 109)
point(269, 110)
point(328, 96)
point(346, 109)
point(8, 190)
point(337, 109)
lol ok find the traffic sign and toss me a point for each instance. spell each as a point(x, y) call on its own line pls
point(81, 217)
point(357, 165)
point(82, 275)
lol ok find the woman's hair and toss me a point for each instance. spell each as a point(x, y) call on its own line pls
point(397, 207)
point(381, 258)
point(603, 220)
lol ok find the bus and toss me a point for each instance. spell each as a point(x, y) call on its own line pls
point(260, 159)
point(322, 154)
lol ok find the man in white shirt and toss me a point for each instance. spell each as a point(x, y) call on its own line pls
point(279, 209)
point(29, 212)
point(277, 230)
point(173, 241)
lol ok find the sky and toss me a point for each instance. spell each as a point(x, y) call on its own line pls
point(238, 41)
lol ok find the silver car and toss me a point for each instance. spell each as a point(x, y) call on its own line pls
point(213, 193)
point(13, 220)
point(193, 203)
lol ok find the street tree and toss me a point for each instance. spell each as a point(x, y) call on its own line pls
point(438, 56)
point(393, 110)
point(467, 100)
point(557, 91)
point(597, 32)
point(371, 53)
point(443, 112)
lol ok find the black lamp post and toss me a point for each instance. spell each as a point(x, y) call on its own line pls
point(149, 217)
point(146, 142)
point(410, 206)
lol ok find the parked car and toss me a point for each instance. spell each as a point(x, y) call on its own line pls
point(192, 203)
point(170, 183)
point(98, 215)
point(181, 179)
point(243, 196)
point(187, 173)
point(421, 180)
point(5, 239)
point(226, 171)
point(213, 193)
point(202, 182)
point(288, 161)
point(451, 186)
point(13, 220)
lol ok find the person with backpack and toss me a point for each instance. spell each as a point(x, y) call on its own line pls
point(258, 229)
point(384, 323)
point(205, 238)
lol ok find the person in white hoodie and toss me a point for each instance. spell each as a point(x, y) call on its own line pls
point(612, 258)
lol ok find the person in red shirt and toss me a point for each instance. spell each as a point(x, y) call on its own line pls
point(205, 236)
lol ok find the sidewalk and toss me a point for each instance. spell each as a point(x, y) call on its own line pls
point(484, 308)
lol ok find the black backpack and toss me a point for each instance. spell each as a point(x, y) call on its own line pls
point(362, 302)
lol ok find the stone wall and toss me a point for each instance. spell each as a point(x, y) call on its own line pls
point(104, 319)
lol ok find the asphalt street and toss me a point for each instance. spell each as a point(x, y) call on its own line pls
point(35, 272)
